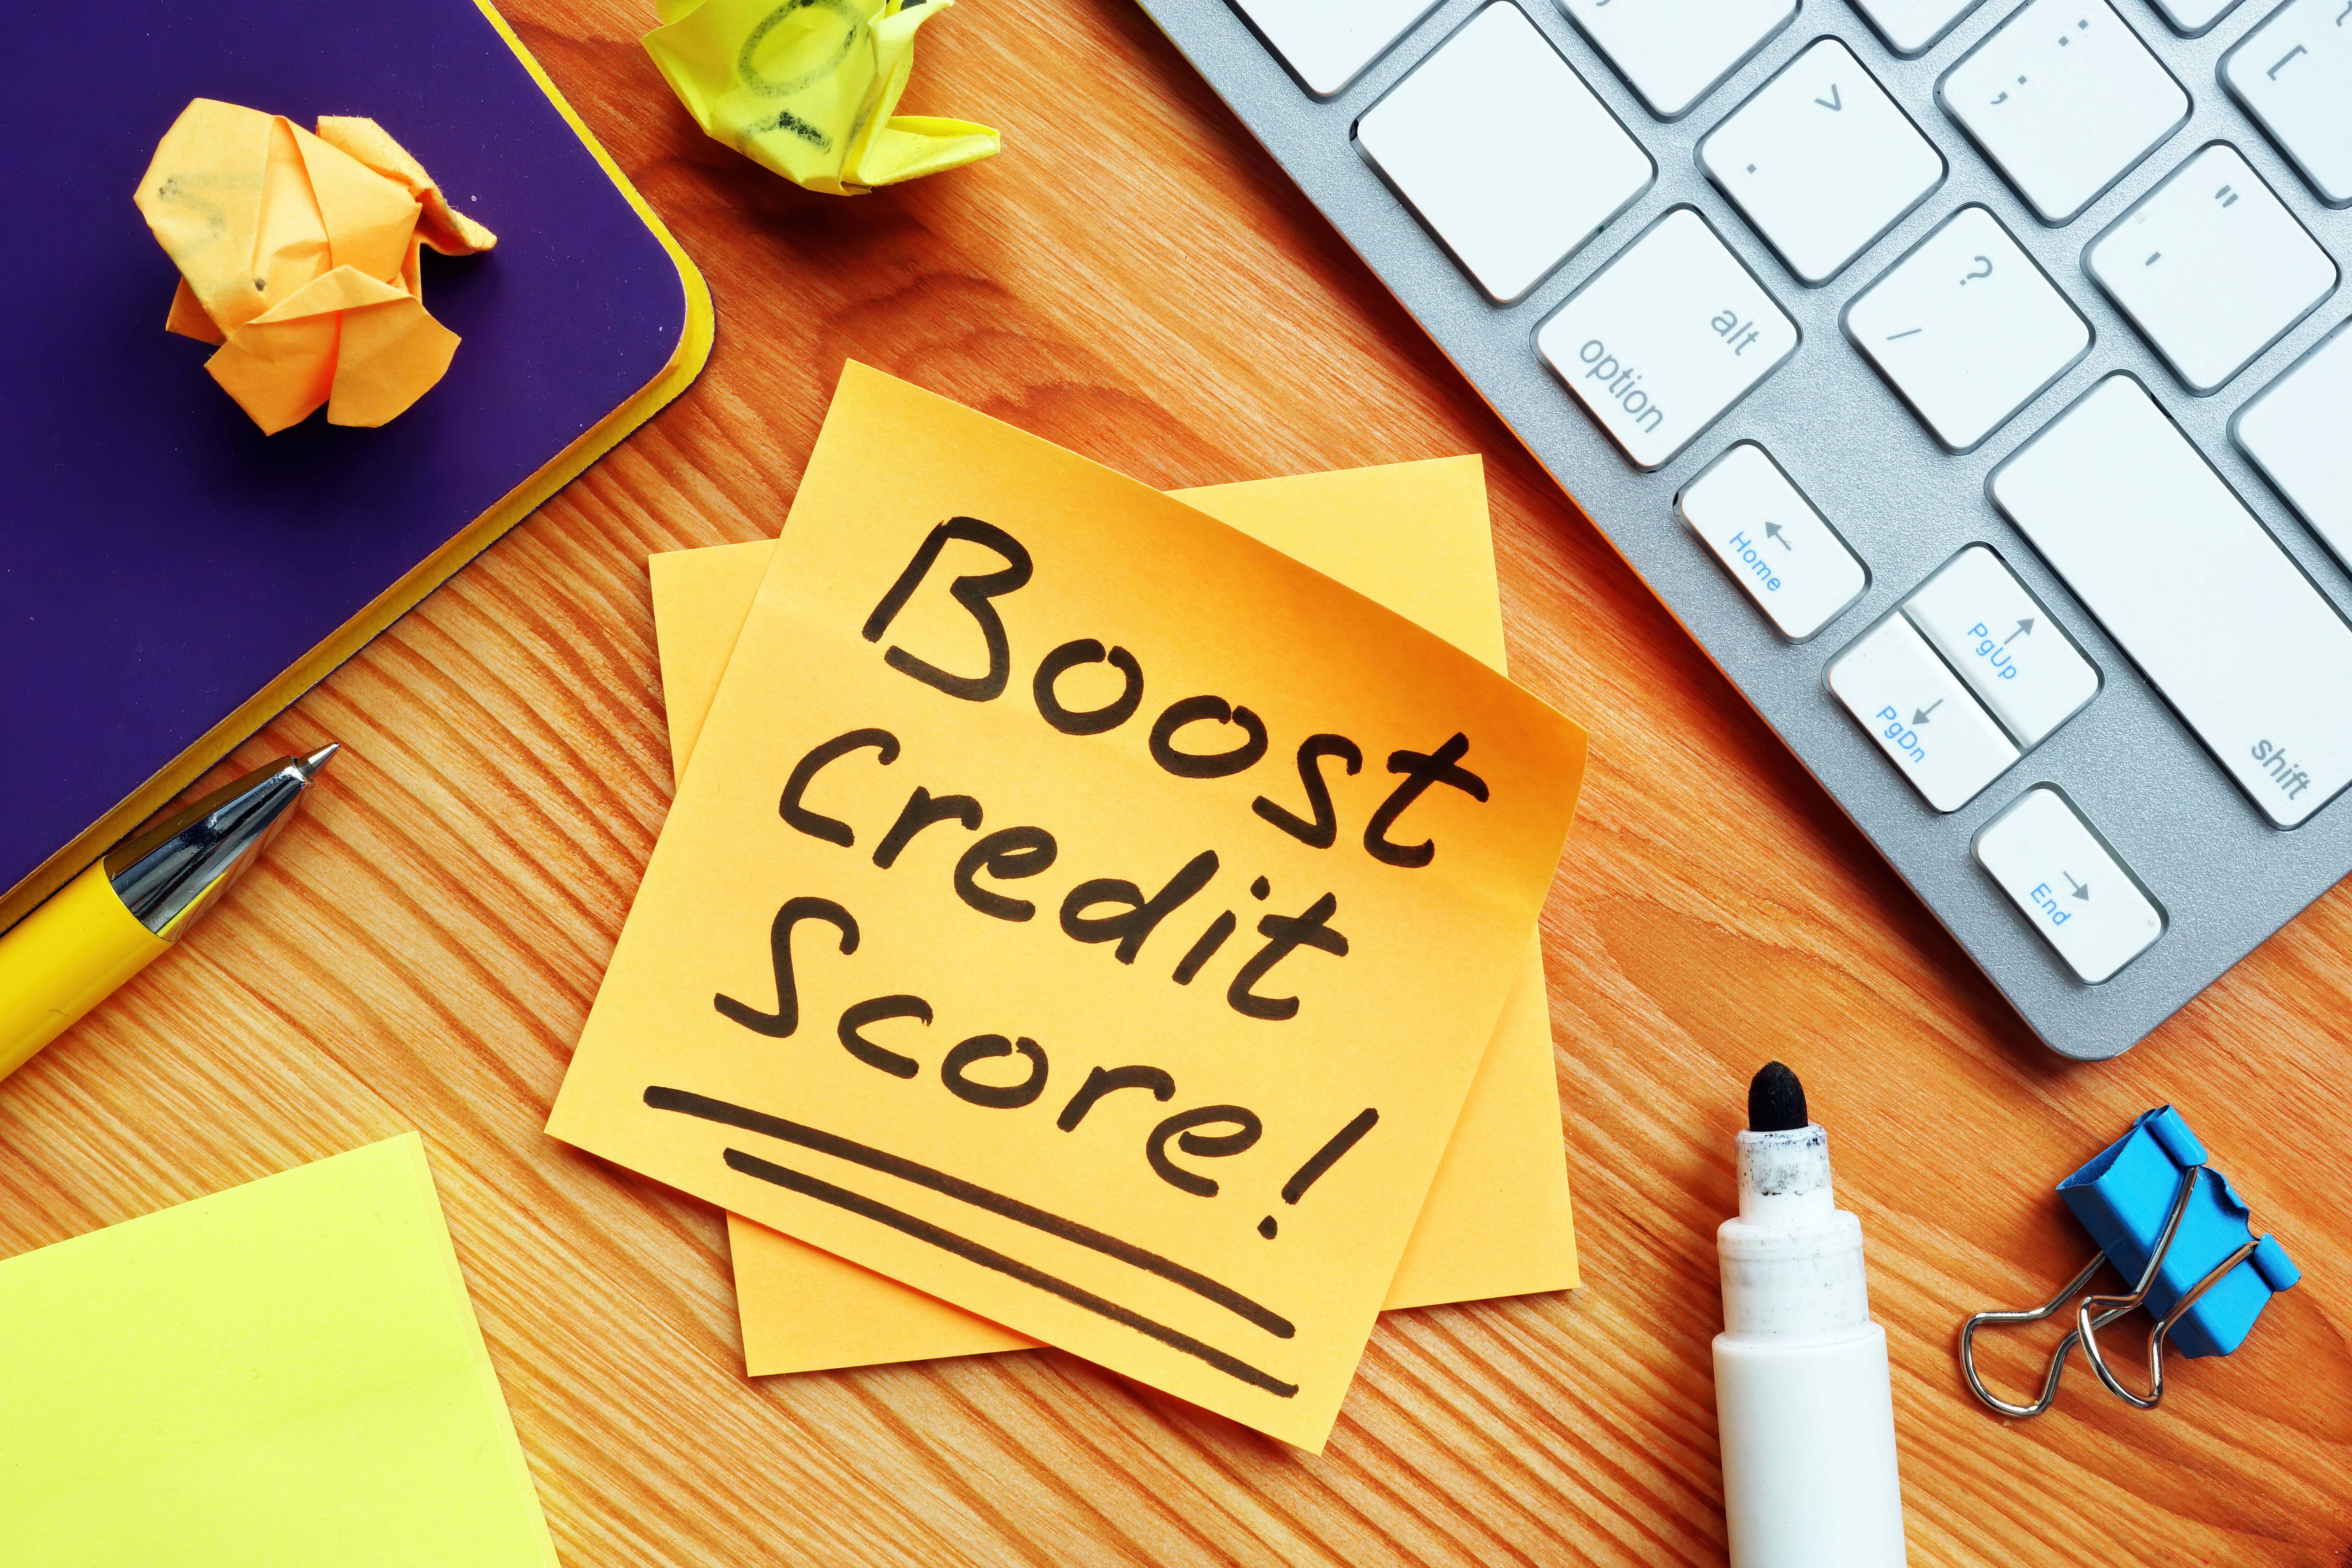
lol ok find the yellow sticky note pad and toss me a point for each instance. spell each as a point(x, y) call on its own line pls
point(1021, 933)
point(1497, 1220)
point(279, 1375)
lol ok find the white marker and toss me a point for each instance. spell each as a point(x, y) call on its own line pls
point(1801, 1396)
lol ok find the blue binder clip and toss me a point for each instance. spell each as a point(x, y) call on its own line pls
point(2172, 1224)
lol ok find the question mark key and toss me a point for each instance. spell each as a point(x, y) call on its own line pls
point(1967, 358)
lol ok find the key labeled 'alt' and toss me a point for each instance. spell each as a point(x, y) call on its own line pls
point(1668, 335)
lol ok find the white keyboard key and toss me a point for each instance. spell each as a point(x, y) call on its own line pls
point(1504, 152)
point(1967, 329)
point(1910, 26)
point(1821, 161)
point(2293, 74)
point(2203, 599)
point(2194, 18)
point(1674, 52)
point(1665, 337)
point(2064, 881)
point(2211, 267)
point(2295, 432)
point(1768, 535)
point(2004, 644)
point(1920, 715)
point(1326, 44)
point(2064, 98)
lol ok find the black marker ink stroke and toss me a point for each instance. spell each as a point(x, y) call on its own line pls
point(840, 1148)
point(973, 1252)
point(1328, 1155)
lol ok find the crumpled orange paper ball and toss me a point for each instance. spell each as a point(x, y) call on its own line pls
point(297, 254)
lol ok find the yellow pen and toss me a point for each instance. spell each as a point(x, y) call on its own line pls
point(124, 912)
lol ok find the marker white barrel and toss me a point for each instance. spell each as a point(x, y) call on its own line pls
point(1801, 1395)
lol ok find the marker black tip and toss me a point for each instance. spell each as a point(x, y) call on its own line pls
point(1776, 1101)
point(1804, 1402)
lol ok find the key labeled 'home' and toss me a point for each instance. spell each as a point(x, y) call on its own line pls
point(1777, 547)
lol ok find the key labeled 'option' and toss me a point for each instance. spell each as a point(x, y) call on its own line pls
point(2003, 643)
point(1920, 714)
point(1663, 339)
point(1776, 546)
point(2068, 885)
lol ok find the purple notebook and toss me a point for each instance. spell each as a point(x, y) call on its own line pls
point(161, 560)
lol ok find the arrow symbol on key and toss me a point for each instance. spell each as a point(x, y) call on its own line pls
point(2024, 628)
point(1919, 715)
point(1832, 103)
point(1772, 530)
point(2082, 889)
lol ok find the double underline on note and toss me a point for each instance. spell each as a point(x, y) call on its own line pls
point(720, 1111)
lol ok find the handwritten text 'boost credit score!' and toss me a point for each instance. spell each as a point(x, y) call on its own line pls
point(1077, 910)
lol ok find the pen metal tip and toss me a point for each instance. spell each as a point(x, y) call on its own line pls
point(319, 759)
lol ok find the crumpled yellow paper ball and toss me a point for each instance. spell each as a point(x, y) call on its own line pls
point(299, 255)
point(806, 88)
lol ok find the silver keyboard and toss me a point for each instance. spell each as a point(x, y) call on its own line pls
point(1969, 378)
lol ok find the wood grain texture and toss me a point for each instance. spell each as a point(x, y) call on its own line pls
point(1136, 279)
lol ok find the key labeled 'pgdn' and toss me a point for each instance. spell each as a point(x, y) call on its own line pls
point(1905, 740)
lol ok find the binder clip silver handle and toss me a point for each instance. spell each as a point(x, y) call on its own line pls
point(2096, 1312)
point(2018, 1320)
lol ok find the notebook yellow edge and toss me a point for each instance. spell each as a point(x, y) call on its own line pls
point(686, 363)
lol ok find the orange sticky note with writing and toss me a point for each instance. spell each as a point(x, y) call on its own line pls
point(1497, 1220)
point(1130, 1004)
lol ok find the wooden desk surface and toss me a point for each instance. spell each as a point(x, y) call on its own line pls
point(1135, 279)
